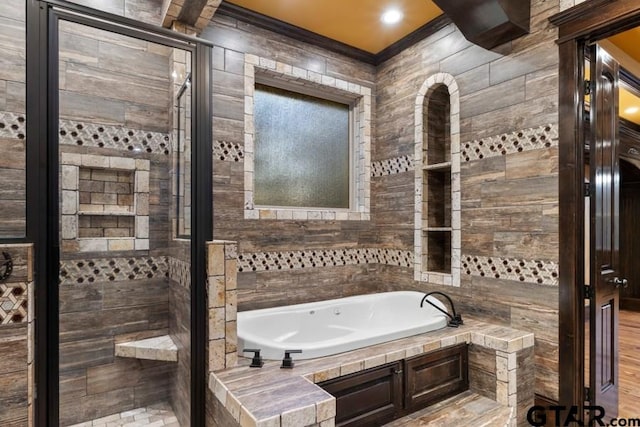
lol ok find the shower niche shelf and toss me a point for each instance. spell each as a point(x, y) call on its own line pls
point(105, 203)
point(157, 348)
point(437, 227)
point(106, 213)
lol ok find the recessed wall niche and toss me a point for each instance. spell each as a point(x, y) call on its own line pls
point(105, 203)
point(437, 182)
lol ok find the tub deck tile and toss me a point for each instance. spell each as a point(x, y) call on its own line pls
point(268, 392)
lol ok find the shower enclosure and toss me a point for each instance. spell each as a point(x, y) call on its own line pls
point(118, 209)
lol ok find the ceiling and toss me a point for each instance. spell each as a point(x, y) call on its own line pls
point(353, 22)
point(357, 23)
point(626, 50)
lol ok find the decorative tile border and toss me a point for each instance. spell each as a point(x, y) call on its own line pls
point(535, 138)
point(360, 96)
point(392, 166)
point(179, 271)
point(12, 125)
point(115, 137)
point(112, 269)
point(318, 258)
point(521, 270)
point(13, 303)
point(228, 151)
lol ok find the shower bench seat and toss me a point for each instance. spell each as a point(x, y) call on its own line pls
point(157, 348)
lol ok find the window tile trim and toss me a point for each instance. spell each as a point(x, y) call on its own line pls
point(361, 96)
point(420, 273)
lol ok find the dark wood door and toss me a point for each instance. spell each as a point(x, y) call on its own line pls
point(629, 232)
point(604, 231)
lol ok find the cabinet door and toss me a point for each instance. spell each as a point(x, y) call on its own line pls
point(432, 377)
point(369, 398)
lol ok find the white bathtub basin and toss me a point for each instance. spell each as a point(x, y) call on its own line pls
point(334, 326)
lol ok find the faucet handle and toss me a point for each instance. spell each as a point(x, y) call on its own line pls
point(287, 362)
point(256, 361)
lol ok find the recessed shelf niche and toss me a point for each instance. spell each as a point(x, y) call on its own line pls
point(437, 182)
point(105, 203)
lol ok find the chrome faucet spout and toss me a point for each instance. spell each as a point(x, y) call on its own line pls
point(455, 319)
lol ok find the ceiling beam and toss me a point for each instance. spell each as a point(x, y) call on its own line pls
point(192, 13)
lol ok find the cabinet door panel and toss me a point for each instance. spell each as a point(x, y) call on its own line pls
point(435, 376)
point(368, 398)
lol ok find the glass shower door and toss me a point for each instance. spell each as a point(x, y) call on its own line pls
point(125, 251)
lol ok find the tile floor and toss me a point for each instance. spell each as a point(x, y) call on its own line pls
point(153, 416)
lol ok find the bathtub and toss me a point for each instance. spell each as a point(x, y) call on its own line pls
point(334, 326)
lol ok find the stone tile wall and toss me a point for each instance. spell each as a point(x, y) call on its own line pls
point(12, 135)
point(234, 41)
point(222, 302)
point(180, 332)
point(508, 190)
point(16, 338)
point(508, 176)
point(94, 316)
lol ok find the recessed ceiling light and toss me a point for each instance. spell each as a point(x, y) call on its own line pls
point(391, 16)
point(631, 110)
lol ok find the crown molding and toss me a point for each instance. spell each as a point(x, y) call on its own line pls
point(268, 23)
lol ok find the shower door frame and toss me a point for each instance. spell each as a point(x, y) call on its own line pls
point(42, 165)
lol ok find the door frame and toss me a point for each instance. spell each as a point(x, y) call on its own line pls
point(578, 26)
point(43, 193)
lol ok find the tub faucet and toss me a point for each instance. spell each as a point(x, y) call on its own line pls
point(456, 319)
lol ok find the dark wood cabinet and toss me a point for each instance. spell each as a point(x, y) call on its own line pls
point(379, 395)
point(369, 398)
point(432, 377)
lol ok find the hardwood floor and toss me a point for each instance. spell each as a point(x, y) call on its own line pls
point(629, 373)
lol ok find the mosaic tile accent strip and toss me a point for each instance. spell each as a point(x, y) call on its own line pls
point(179, 271)
point(115, 137)
point(228, 151)
point(112, 269)
point(296, 260)
point(13, 303)
point(392, 166)
point(12, 125)
point(521, 270)
point(535, 138)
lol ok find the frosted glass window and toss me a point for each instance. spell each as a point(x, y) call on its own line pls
point(301, 150)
